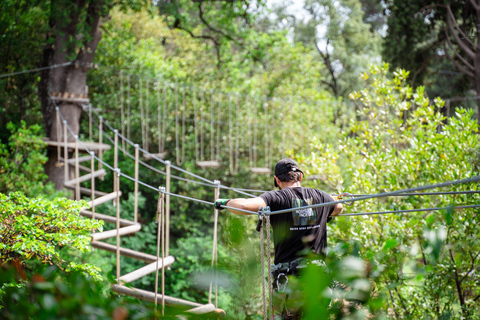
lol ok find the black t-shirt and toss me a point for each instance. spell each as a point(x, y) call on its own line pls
point(294, 231)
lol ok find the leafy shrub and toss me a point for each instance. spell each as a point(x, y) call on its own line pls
point(22, 160)
point(38, 228)
point(51, 293)
point(398, 140)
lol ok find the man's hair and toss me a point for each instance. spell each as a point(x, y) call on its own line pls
point(290, 176)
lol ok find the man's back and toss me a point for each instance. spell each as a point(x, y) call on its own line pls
point(296, 230)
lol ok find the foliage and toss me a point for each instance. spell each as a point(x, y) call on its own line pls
point(21, 161)
point(419, 28)
point(50, 293)
point(337, 35)
point(399, 140)
point(37, 228)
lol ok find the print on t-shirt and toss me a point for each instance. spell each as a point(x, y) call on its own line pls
point(303, 217)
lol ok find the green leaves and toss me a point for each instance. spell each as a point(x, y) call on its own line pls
point(400, 139)
point(38, 228)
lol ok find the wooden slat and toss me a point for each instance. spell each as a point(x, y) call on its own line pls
point(261, 170)
point(157, 155)
point(79, 100)
point(91, 146)
point(106, 218)
point(149, 268)
point(124, 251)
point(113, 233)
point(86, 177)
point(84, 169)
point(170, 301)
point(207, 308)
point(208, 164)
point(80, 159)
point(87, 191)
point(103, 199)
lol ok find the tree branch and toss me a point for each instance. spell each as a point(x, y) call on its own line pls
point(465, 62)
point(457, 282)
point(217, 45)
point(229, 37)
point(327, 62)
point(450, 23)
point(474, 5)
point(459, 67)
point(471, 267)
point(393, 304)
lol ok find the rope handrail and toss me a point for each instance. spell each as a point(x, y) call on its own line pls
point(406, 211)
point(123, 174)
point(425, 193)
point(6, 75)
point(379, 195)
point(153, 156)
point(384, 194)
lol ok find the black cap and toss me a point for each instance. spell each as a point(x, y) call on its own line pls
point(284, 166)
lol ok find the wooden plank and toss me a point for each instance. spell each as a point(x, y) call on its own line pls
point(113, 233)
point(208, 164)
point(103, 199)
point(316, 177)
point(84, 169)
point(157, 155)
point(149, 268)
point(80, 159)
point(87, 191)
point(170, 301)
point(78, 100)
point(207, 308)
point(107, 218)
point(86, 177)
point(261, 170)
point(91, 146)
point(124, 251)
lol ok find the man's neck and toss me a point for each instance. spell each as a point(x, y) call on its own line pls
point(293, 184)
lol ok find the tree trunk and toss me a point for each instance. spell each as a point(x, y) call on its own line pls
point(69, 80)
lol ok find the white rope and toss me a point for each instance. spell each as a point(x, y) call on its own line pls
point(262, 268)
point(269, 264)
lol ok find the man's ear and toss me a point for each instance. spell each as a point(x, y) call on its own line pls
point(301, 177)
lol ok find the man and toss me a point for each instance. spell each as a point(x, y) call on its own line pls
point(295, 231)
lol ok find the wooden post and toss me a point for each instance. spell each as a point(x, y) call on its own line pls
point(122, 111)
point(115, 150)
point(117, 190)
point(65, 150)
point(216, 195)
point(90, 134)
point(92, 182)
point(77, 171)
point(163, 227)
point(167, 206)
point(160, 231)
point(100, 141)
point(59, 129)
point(135, 206)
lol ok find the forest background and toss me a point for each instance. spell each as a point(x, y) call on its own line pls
point(320, 84)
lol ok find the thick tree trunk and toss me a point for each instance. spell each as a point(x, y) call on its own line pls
point(69, 79)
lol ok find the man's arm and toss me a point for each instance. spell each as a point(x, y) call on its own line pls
point(251, 204)
point(338, 208)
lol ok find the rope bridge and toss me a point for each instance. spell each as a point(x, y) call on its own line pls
point(121, 142)
point(160, 261)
